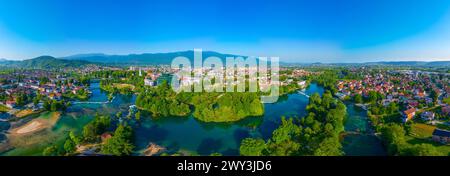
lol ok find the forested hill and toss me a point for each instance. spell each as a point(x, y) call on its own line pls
point(46, 62)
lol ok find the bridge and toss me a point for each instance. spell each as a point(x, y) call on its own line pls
point(93, 102)
point(303, 93)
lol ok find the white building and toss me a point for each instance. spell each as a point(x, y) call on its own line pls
point(149, 82)
point(302, 83)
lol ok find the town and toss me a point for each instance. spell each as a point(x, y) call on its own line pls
point(403, 95)
point(27, 91)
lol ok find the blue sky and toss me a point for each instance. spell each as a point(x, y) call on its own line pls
point(295, 31)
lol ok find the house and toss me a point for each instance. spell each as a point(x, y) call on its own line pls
point(408, 114)
point(428, 100)
point(442, 136)
point(105, 136)
point(427, 116)
point(386, 102)
point(11, 104)
point(446, 110)
point(420, 94)
point(413, 103)
point(302, 84)
point(149, 82)
point(55, 96)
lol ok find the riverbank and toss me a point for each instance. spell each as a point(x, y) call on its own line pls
point(41, 123)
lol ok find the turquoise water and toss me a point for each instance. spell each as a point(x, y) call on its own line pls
point(360, 141)
point(186, 133)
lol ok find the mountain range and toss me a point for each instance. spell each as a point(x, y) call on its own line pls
point(146, 58)
point(45, 62)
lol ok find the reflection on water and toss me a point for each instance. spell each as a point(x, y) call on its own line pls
point(176, 133)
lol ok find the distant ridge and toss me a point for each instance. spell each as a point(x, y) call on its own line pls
point(411, 63)
point(145, 58)
point(380, 63)
point(166, 59)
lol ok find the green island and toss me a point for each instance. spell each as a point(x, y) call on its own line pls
point(208, 107)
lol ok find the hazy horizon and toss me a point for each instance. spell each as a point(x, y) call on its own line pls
point(288, 62)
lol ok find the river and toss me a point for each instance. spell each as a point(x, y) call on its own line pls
point(188, 135)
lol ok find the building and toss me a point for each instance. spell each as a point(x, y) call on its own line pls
point(427, 116)
point(105, 136)
point(11, 104)
point(408, 114)
point(446, 110)
point(302, 84)
point(442, 136)
point(149, 82)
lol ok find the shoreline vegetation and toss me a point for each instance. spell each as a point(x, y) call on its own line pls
point(102, 136)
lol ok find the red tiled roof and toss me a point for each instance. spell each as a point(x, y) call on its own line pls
point(410, 111)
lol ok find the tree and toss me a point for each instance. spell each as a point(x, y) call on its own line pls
point(36, 101)
point(74, 138)
point(50, 151)
point(252, 147)
point(358, 98)
point(120, 144)
point(47, 105)
point(393, 136)
point(373, 97)
point(53, 106)
point(137, 116)
point(434, 95)
point(21, 99)
point(284, 139)
point(329, 147)
point(89, 133)
point(96, 127)
point(119, 114)
point(392, 108)
point(69, 146)
point(421, 150)
point(256, 107)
